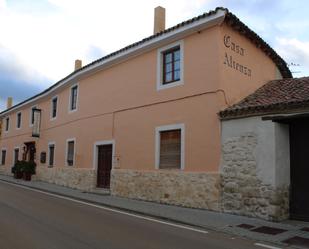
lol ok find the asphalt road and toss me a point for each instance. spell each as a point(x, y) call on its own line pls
point(34, 220)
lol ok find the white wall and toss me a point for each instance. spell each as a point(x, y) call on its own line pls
point(272, 150)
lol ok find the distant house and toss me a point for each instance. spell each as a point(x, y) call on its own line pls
point(143, 121)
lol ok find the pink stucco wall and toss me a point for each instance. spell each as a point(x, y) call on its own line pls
point(121, 103)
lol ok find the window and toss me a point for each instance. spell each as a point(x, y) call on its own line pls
point(70, 152)
point(51, 154)
point(18, 120)
point(32, 115)
point(54, 105)
point(170, 66)
point(3, 157)
point(170, 147)
point(73, 98)
point(16, 155)
point(7, 124)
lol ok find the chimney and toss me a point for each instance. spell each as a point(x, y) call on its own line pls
point(78, 64)
point(9, 102)
point(159, 19)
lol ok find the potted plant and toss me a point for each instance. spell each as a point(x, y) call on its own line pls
point(17, 170)
point(28, 170)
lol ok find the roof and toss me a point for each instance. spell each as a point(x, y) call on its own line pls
point(277, 96)
point(229, 18)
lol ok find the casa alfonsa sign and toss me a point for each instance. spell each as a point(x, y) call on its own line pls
point(229, 59)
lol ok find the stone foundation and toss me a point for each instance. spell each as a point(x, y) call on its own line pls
point(243, 192)
point(82, 179)
point(197, 190)
point(5, 171)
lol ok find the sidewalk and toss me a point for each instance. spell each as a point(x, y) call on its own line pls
point(296, 232)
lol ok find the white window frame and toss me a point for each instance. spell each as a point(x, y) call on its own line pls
point(70, 98)
point(95, 152)
point(180, 127)
point(160, 65)
point(21, 120)
point(6, 156)
point(48, 154)
point(17, 147)
point(5, 124)
point(66, 151)
point(30, 117)
point(51, 108)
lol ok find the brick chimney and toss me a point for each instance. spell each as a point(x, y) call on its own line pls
point(78, 64)
point(9, 102)
point(159, 19)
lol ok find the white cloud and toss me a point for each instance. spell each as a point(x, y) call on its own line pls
point(297, 52)
point(50, 43)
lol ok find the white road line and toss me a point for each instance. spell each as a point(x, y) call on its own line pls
point(110, 209)
point(266, 246)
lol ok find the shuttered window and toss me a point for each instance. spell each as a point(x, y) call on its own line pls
point(73, 100)
point(51, 155)
point(170, 149)
point(7, 124)
point(32, 115)
point(18, 120)
point(70, 156)
point(3, 157)
point(54, 107)
point(16, 155)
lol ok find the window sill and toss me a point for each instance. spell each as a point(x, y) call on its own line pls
point(169, 85)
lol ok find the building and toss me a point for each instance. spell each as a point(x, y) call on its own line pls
point(143, 121)
point(265, 152)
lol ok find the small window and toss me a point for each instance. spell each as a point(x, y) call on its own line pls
point(70, 153)
point(54, 106)
point(32, 115)
point(51, 153)
point(16, 155)
point(18, 121)
point(43, 157)
point(171, 65)
point(73, 98)
point(3, 157)
point(7, 124)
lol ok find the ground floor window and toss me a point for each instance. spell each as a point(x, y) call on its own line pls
point(170, 147)
point(51, 154)
point(16, 155)
point(70, 152)
point(3, 157)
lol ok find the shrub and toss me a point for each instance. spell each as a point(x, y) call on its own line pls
point(18, 166)
point(28, 167)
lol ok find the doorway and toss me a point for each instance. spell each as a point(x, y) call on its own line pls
point(29, 151)
point(299, 165)
point(104, 160)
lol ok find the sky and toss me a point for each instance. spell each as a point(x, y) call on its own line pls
point(40, 39)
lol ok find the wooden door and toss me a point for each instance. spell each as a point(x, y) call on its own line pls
point(299, 163)
point(104, 165)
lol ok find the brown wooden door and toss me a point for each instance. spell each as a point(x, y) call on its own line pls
point(104, 165)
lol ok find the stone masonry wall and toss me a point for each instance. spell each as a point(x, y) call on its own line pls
point(82, 179)
point(5, 171)
point(197, 190)
point(243, 192)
